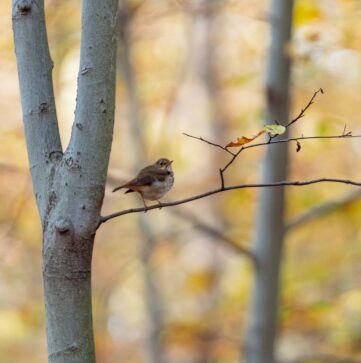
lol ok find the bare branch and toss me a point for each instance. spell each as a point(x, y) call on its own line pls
point(222, 178)
point(266, 143)
point(94, 114)
point(104, 219)
point(37, 96)
point(270, 138)
point(301, 138)
point(190, 217)
point(210, 143)
point(302, 113)
point(270, 141)
point(322, 209)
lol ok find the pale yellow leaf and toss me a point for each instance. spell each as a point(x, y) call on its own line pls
point(275, 129)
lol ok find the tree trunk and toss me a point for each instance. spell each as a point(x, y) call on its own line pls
point(153, 346)
point(69, 187)
point(270, 224)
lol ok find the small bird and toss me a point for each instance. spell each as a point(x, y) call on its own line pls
point(152, 182)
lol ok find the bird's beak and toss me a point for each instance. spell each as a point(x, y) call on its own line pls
point(171, 161)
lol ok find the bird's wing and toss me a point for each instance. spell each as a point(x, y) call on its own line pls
point(140, 180)
point(153, 170)
point(146, 176)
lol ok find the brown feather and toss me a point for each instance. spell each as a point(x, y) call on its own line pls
point(146, 177)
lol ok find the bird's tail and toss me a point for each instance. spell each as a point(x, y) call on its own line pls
point(123, 186)
point(117, 188)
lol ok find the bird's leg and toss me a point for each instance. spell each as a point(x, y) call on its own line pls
point(160, 204)
point(145, 206)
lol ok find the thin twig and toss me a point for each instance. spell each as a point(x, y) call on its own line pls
point(222, 178)
point(342, 136)
point(302, 113)
point(210, 143)
point(266, 143)
point(269, 141)
point(104, 219)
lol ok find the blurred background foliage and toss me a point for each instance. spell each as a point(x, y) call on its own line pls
point(196, 67)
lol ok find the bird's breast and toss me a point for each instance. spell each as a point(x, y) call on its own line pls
point(158, 188)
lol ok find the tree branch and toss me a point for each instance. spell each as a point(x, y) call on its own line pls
point(322, 209)
point(266, 143)
point(89, 148)
point(197, 223)
point(106, 218)
point(269, 141)
point(302, 113)
point(210, 143)
point(37, 95)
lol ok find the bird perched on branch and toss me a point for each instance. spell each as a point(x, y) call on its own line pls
point(152, 182)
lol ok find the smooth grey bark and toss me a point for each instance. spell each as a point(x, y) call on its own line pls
point(69, 187)
point(270, 223)
point(37, 96)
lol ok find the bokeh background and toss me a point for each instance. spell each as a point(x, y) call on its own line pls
point(163, 282)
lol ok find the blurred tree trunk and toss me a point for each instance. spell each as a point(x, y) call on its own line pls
point(153, 305)
point(270, 223)
point(202, 67)
point(68, 186)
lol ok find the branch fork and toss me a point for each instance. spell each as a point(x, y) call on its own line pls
point(272, 139)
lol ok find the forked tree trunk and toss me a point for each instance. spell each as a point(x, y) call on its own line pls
point(270, 224)
point(69, 186)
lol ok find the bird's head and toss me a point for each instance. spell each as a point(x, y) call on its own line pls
point(164, 163)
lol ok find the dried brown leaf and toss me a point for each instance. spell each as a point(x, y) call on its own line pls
point(244, 140)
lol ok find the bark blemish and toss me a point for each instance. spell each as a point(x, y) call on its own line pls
point(73, 348)
point(43, 107)
point(24, 7)
point(55, 156)
point(24, 10)
point(52, 200)
point(103, 107)
point(79, 126)
point(85, 70)
point(72, 164)
point(63, 225)
point(78, 275)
